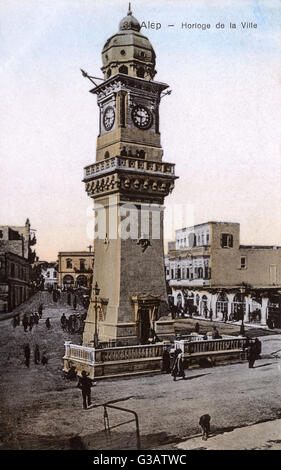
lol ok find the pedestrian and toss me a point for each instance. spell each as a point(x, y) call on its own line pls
point(211, 314)
point(204, 422)
point(166, 359)
point(206, 311)
point(36, 354)
point(71, 374)
point(63, 321)
point(44, 359)
point(75, 302)
point(48, 323)
point(55, 297)
point(36, 318)
point(31, 321)
point(252, 355)
point(216, 334)
point(258, 348)
point(25, 322)
point(85, 385)
point(70, 324)
point(27, 354)
point(69, 298)
point(40, 310)
point(178, 369)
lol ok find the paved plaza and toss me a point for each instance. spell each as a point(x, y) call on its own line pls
point(40, 409)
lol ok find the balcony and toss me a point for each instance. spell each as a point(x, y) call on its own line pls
point(128, 164)
point(189, 282)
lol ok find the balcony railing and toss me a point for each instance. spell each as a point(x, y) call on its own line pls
point(128, 164)
point(92, 356)
point(210, 346)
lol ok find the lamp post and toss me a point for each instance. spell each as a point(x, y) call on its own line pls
point(242, 328)
point(96, 291)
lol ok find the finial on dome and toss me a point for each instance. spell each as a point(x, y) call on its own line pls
point(129, 22)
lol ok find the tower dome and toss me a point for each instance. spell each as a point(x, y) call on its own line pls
point(129, 51)
point(129, 22)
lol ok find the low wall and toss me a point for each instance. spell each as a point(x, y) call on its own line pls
point(141, 359)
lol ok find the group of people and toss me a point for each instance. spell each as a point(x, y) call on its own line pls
point(173, 362)
point(29, 319)
point(70, 324)
point(37, 356)
point(74, 323)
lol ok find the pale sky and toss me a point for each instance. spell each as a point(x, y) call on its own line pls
point(220, 126)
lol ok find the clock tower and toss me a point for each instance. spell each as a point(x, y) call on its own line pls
point(128, 183)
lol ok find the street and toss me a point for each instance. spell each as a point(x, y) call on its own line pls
point(40, 409)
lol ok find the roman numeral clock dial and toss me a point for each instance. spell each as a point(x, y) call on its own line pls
point(108, 118)
point(142, 117)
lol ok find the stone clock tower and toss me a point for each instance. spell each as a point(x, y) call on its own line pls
point(128, 183)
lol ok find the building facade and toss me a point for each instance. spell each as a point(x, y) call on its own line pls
point(16, 258)
point(209, 269)
point(50, 275)
point(75, 269)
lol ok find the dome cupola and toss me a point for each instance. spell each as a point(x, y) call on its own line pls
point(129, 51)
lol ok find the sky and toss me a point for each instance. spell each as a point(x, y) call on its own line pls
point(220, 125)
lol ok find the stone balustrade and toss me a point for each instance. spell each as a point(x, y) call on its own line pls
point(128, 163)
point(91, 356)
point(211, 345)
point(76, 353)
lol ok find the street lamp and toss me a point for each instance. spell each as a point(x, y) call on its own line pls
point(242, 328)
point(96, 292)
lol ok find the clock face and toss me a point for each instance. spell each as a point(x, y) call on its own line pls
point(142, 117)
point(108, 118)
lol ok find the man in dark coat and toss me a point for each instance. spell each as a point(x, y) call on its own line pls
point(25, 322)
point(85, 385)
point(44, 360)
point(48, 323)
point(36, 354)
point(178, 369)
point(40, 310)
point(63, 321)
point(27, 354)
point(166, 367)
point(258, 348)
point(252, 355)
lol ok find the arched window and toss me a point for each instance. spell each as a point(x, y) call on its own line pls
point(69, 263)
point(123, 152)
point(141, 154)
point(140, 72)
point(123, 69)
point(108, 73)
point(106, 155)
point(179, 300)
point(192, 240)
